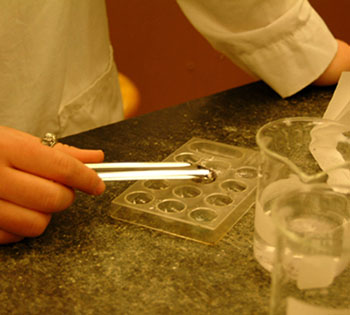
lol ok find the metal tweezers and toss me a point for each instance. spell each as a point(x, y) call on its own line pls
point(148, 170)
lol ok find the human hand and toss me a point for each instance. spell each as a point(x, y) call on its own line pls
point(340, 63)
point(36, 180)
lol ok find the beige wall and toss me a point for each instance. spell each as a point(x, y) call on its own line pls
point(170, 62)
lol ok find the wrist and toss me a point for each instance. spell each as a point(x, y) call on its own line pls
point(339, 64)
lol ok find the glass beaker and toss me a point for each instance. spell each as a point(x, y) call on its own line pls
point(295, 151)
point(311, 272)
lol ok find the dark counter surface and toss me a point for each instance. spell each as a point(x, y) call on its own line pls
point(87, 263)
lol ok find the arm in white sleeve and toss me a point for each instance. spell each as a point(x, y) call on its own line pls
point(283, 42)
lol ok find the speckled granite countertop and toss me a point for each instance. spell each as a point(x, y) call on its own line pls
point(87, 263)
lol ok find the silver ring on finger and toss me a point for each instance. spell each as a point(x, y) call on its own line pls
point(49, 139)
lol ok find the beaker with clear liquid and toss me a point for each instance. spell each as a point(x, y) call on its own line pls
point(295, 151)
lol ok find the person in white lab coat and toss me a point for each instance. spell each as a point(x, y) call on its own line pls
point(283, 42)
point(58, 75)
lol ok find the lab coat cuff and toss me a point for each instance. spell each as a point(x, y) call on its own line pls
point(288, 54)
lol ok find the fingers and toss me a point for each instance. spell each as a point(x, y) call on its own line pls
point(36, 180)
point(21, 221)
point(34, 192)
point(33, 157)
point(6, 238)
point(85, 156)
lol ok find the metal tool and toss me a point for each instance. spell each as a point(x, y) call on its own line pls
point(148, 170)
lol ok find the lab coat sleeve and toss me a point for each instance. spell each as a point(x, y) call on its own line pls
point(283, 42)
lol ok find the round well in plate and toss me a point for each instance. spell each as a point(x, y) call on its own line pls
point(216, 166)
point(233, 186)
point(203, 215)
point(187, 191)
point(156, 184)
point(207, 179)
point(219, 200)
point(187, 158)
point(247, 172)
point(171, 206)
point(139, 198)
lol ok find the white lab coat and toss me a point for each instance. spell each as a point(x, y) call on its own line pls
point(56, 64)
point(283, 42)
point(56, 67)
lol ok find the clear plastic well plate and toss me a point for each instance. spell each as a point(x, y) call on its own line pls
point(200, 210)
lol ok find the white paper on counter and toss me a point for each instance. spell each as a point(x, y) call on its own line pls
point(339, 106)
point(316, 271)
point(325, 139)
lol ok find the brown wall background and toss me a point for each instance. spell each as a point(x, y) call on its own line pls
point(170, 62)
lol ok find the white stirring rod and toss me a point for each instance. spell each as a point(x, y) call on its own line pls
point(148, 170)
